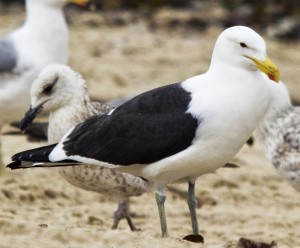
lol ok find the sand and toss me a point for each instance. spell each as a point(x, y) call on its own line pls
point(40, 209)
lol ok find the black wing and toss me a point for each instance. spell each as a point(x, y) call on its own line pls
point(166, 99)
point(148, 128)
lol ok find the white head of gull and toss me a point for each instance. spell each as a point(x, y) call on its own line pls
point(62, 92)
point(177, 132)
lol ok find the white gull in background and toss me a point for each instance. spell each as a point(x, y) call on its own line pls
point(279, 133)
point(41, 40)
point(177, 132)
point(62, 92)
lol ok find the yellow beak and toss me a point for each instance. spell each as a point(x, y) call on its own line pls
point(267, 67)
point(83, 3)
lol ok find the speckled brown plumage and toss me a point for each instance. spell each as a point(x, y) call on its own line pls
point(280, 136)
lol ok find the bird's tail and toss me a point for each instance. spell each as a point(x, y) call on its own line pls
point(38, 157)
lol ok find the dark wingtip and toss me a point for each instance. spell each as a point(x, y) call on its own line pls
point(14, 165)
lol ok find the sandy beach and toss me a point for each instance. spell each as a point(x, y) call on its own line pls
point(40, 209)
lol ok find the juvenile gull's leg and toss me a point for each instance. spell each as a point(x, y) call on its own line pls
point(123, 212)
point(160, 200)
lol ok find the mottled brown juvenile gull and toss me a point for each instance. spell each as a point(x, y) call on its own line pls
point(280, 135)
point(41, 40)
point(63, 93)
point(177, 132)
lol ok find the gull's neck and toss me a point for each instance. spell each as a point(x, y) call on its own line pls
point(45, 32)
point(279, 101)
point(74, 112)
point(36, 10)
point(280, 107)
point(79, 107)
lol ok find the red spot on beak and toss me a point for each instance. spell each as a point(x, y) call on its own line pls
point(271, 76)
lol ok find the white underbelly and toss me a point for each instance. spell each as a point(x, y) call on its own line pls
point(185, 166)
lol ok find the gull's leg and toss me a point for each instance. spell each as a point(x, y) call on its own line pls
point(160, 197)
point(118, 215)
point(123, 212)
point(192, 202)
point(128, 217)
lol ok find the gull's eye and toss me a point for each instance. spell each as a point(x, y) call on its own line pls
point(242, 44)
point(48, 88)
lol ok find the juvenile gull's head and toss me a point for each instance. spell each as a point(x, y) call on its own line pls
point(55, 87)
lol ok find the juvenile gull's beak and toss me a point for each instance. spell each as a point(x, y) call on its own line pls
point(30, 116)
point(267, 67)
